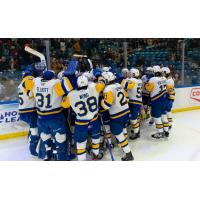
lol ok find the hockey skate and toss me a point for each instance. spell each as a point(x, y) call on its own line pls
point(134, 136)
point(158, 135)
point(97, 157)
point(127, 157)
point(166, 134)
point(151, 122)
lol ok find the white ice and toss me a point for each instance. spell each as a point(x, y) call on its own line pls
point(182, 145)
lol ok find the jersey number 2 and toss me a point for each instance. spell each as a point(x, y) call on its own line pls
point(122, 97)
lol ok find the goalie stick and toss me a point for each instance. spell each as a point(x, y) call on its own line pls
point(36, 53)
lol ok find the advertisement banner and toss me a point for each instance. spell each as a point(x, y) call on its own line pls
point(195, 94)
point(187, 98)
point(9, 113)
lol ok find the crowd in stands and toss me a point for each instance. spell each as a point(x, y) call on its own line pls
point(103, 52)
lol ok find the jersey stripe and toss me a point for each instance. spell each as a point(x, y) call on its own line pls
point(120, 114)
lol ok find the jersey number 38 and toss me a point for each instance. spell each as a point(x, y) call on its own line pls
point(89, 106)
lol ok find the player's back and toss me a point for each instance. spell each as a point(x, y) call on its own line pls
point(120, 103)
point(47, 100)
point(157, 87)
point(84, 102)
point(135, 94)
point(26, 100)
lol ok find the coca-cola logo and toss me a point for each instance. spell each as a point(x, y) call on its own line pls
point(195, 94)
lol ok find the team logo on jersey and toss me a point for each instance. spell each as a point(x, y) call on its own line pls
point(195, 94)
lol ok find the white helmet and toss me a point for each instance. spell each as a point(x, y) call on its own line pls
point(156, 69)
point(125, 70)
point(150, 69)
point(166, 70)
point(134, 72)
point(82, 81)
point(108, 76)
point(88, 75)
point(105, 69)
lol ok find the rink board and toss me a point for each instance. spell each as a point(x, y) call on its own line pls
point(10, 126)
point(187, 98)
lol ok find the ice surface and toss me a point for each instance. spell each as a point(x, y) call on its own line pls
point(183, 143)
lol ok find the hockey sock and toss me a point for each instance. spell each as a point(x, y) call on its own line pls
point(123, 142)
point(125, 133)
point(159, 124)
point(170, 120)
point(165, 123)
point(81, 150)
point(135, 125)
point(95, 146)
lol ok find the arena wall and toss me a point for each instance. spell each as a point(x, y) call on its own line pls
point(187, 98)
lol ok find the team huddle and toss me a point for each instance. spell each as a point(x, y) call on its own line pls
point(80, 114)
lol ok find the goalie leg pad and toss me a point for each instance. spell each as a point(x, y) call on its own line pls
point(33, 141)
point(45, 146)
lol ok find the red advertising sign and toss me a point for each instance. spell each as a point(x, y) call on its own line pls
point(195, 94)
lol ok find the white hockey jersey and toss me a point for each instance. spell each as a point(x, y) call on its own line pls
point(26, 99)
point(135, 94)
point(115, 101)
point(170, 88)
point(157, 87)
point(84, 102)
point(47, 100)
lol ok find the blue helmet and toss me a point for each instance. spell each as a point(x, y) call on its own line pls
point(39, 68)
point(48, 75)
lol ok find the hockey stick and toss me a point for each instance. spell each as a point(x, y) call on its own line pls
point(36, 53)
point(107, 142)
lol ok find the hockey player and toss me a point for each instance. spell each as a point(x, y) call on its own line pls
point(145, 94)
point(116, 103)
point(96, 75)
point(27, 111)
point(157, 88)
point(51, 121)
point(135, 102)
point(84, 102)
point(106, 69)
point(170, 92)
point(125, 73)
